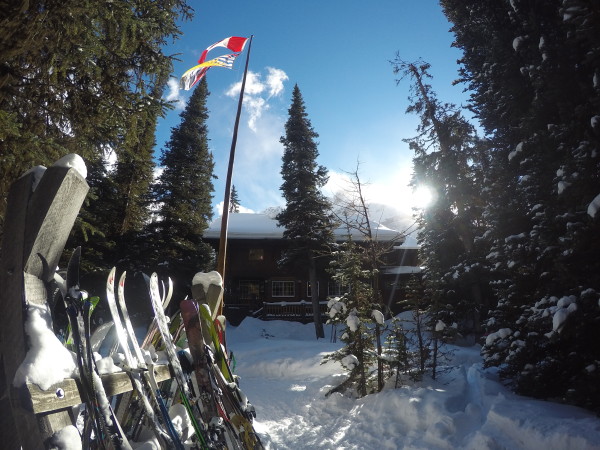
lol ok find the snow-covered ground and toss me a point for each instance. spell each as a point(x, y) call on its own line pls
point(281, 372)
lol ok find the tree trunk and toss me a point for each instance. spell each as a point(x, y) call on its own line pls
point(379, 360)
point(312, 276)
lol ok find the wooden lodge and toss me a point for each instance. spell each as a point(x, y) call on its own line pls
point(256, 285)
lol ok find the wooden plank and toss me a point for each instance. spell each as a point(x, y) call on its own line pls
point(66, 393)
point(36, 224)
point(12, 339)
point(51, 213)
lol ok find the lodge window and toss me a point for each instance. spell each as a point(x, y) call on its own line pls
point(283, 289)
point(335, 289)
point(256, 254)
point(249, 289)
point(309, 290)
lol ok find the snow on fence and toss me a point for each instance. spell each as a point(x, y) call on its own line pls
point(301, 311)
point(41, 210)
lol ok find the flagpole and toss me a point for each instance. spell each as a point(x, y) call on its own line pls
point(225, 215)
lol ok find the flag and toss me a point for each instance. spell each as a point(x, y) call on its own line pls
point(192, 76)
point(221, 61)
point(195, 74)
point(234, 43)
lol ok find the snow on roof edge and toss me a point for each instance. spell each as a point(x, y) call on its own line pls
point(261, 226)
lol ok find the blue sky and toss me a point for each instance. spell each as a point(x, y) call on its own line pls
point(338, 53)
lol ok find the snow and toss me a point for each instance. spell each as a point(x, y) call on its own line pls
point(73, 161)
point(353, 321)
point(467, 408)
point(335, 306)
point(440, 326)
point(518, 149)
point(263, 226)
point(500, 334)
point(350, 362)
point(594, 206)
point(562, 185)
point(517, 42)
point(47, 361)
point(66, 439)
point(38, 173)
point(206, 279)
point(106, 365)
point(378, 316)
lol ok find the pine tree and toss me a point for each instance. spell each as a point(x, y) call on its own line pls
point(307, 218)
point(352, 211)
point(448, 160)
point(71, 78)
point(183, 194)
point(354, 311)
point(234, 201)
point(534, 73)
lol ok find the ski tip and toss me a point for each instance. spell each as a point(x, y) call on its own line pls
point(111, 276)
point(122, 279)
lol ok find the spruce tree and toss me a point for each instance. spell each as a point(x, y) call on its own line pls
point(234, 201)
point(354, 311)
point(74, 75)
point(307, 218)
point(447, 159)
point(183, 195)
point(533, 71)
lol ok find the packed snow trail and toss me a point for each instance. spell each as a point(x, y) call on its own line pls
point(279, 365)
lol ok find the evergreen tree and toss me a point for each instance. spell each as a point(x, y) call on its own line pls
point(307, 218)
point(534, 71)
point(183, 194)
point(234, 201)
point(448, 160)
point(354, 311)
point(71, 77)
point(352, 211)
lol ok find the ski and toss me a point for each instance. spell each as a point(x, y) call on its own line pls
point(101, 417)
point(148, 367)
point(131, 365)
point(208, 287)
point(202, 434)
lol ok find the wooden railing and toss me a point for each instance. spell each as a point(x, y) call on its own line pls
point(37, 224)
point(301, 311)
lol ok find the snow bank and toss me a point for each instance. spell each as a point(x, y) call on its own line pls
point(467, 408)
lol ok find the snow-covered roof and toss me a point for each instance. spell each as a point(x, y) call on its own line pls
point(263, 226)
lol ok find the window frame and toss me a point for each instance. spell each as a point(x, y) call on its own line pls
point(285, 293)
point(338, 291)
point(309, 290)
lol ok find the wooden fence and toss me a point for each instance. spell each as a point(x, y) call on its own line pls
point(37, 225)
point(301, 311)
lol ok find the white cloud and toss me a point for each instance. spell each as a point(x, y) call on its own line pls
point(255, 106)
point(253, 86)
point(174, 94)
point(275, 79)
point(254, 100)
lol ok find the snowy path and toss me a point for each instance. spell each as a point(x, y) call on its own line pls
point(279, 363)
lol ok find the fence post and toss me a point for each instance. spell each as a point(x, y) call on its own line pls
point(37, 224)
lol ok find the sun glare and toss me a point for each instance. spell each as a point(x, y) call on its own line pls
point(422, 197)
